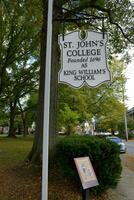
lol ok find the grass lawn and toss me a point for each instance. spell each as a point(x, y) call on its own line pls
point(18, 181)
point(14, 150)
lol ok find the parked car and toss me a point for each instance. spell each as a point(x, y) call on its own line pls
point(118, 141)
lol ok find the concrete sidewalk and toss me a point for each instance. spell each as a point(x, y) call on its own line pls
point(125, 188)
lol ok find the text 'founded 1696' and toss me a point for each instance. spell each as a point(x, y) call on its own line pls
point(83, 61)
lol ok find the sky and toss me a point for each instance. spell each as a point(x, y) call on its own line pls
point(130, 82)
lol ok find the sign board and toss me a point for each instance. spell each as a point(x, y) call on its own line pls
point(86, 172)
point(83, 61)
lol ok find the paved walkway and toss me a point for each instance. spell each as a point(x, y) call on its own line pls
point(125, 188)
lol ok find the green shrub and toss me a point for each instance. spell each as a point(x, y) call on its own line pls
point(103, 154)
point(130, 136)
point(123, 136)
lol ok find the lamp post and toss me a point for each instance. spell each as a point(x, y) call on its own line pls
point(125, 113)
point(93, 123)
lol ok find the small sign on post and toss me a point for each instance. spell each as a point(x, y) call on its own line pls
point(86, 172)
point(84, 61)
point(87, 175)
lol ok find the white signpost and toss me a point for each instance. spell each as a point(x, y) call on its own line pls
point(47, 104)
point(83, 61)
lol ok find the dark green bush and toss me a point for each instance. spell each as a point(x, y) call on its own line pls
point(123, 136)
point(103, 154)
point(131, 136)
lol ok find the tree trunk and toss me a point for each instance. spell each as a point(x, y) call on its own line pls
point(54, 78)
point(25, 128)
point(35, 155)
point(12, 119)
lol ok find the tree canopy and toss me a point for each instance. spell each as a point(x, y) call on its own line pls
point(20, 46)
point(20, 29)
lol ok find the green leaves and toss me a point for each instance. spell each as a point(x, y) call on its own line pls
point(104, 156)
point(20, 39)
point(99, 3)
point(92, 2)
point(68, 119)
point(20, 45)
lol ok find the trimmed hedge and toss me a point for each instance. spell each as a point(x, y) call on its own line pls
point(130, 136)
point(103, 154)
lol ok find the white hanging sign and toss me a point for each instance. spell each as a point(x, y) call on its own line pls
point(83, 61)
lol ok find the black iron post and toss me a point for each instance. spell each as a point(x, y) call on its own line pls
point(85, 194)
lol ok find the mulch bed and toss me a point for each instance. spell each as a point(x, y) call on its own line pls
point(23, 182)
point(19, 183)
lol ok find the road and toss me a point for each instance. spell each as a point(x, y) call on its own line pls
point(130, 147)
